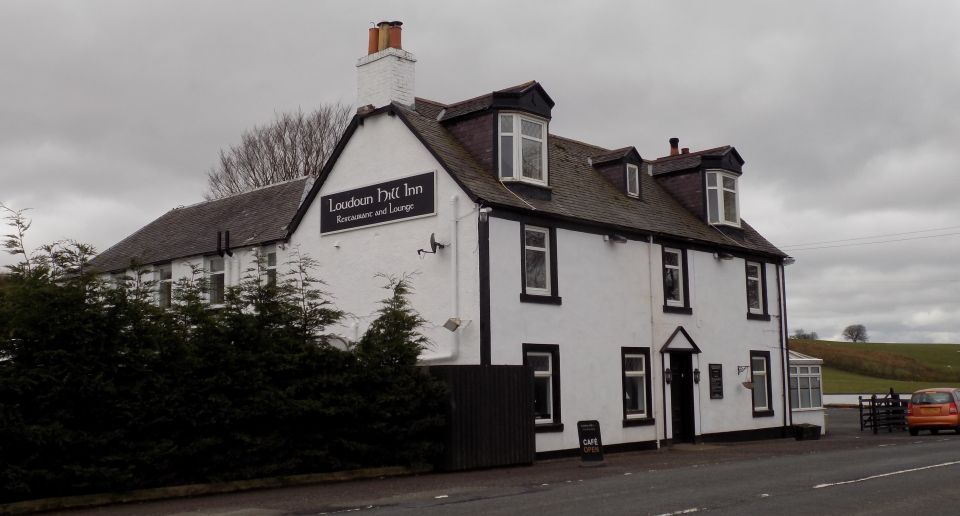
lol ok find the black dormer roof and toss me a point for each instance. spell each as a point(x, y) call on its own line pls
point(529, 97)
point(725, 157)
point(623, 155)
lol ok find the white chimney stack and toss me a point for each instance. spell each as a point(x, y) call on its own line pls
point(385, 74)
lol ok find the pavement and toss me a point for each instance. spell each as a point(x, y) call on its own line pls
point(731, 469)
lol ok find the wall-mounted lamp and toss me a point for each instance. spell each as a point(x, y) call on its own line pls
point(452, 323)
point(616, 239)
point(722, 255)
point(668, 376)
point(696, 376)
point(485, 213)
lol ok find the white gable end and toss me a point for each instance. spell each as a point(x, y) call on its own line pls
point(383, 149)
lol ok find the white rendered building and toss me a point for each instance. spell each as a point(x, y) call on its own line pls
point(632, 288)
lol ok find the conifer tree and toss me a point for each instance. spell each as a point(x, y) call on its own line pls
point(403, 403)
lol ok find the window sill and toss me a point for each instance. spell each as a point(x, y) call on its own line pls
point(544, 300)
point(727, 224)
point(686, 310)
point(758, 317)
point(762, 413)
point(543, 428)
point(808, 409)
point(640, 421)
point(529, 182)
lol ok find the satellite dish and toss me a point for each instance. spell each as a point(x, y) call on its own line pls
point(434, 245)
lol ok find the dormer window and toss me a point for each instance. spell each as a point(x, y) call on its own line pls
point(722, 202)
point(633, 180)
point(523, 149)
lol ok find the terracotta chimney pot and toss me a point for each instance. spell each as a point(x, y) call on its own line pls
point(395, 31)
point(674, 146)
point(373, 36)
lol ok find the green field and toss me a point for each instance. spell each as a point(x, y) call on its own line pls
point(876, 367)
point(836, 381)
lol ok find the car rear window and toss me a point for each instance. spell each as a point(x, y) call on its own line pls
point(931, 398)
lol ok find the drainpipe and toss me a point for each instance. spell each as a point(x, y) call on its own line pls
point(454, 282)
point(656, 432)
point(784, 347)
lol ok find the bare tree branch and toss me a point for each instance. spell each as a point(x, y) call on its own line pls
point(293, 146)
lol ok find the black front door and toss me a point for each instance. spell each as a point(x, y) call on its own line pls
point(681, 397)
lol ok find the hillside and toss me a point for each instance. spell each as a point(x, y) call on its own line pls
point(875, 367)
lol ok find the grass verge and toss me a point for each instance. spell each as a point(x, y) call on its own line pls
point(162, 493)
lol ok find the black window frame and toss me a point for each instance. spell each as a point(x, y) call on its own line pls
point(648, 419)
point(554, 351)
point(765, 314)
point(553, 298)
point(768, 412)
point(685, 279)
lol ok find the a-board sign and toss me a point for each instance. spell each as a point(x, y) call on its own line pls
point(591, 446)
point(381, 203)
point(716, 381)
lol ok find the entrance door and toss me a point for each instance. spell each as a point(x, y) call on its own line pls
point(681, 397)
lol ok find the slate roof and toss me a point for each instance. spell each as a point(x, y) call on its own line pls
point(578, 192)
point(257, 217)
point(480, 103)
point(686, 161)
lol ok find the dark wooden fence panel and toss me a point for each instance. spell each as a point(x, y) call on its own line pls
point(489, 416)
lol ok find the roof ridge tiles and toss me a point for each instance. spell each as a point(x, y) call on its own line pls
point(238, 194)
point(692, 154)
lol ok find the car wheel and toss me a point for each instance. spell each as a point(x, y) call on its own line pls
point(914, 431)
point(934, 431)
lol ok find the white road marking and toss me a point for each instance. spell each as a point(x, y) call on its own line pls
point(872, 477)
point(684, 511)
point(441, 496)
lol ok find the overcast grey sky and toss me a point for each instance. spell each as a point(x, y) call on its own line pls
point(846, 113)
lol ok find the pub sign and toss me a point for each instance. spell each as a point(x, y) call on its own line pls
point(390, 201)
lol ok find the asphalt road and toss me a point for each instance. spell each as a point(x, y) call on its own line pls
point(849, 472)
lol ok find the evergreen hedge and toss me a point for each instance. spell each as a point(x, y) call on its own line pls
point(102, 391)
